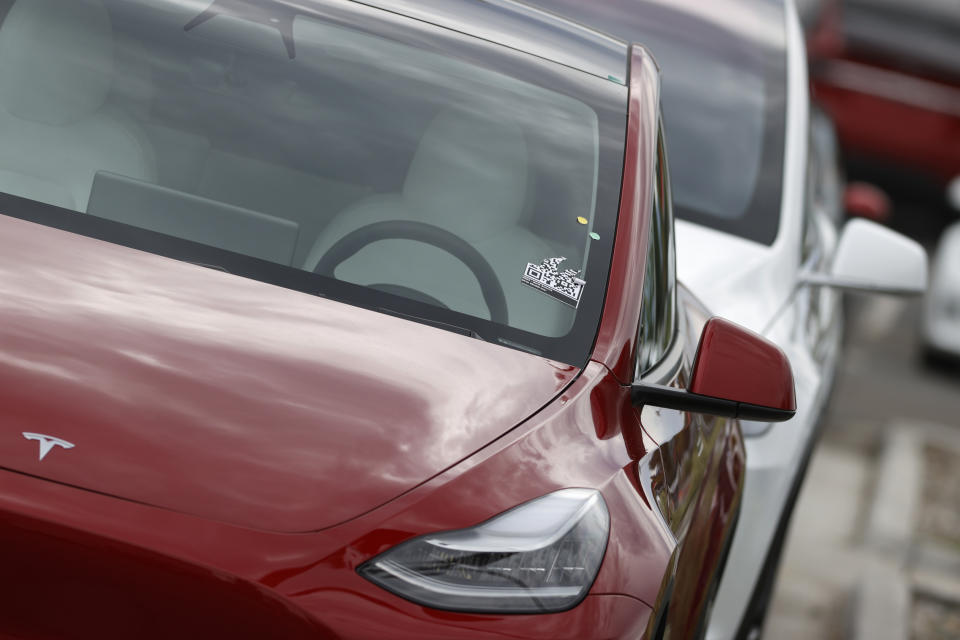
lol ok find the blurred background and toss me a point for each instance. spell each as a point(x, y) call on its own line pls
point(874, 546)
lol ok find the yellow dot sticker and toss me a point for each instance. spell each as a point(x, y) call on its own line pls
point(582, 220)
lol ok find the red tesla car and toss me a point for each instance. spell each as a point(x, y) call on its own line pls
point(330, 319)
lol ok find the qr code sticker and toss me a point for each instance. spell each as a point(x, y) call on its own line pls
point(565, 286)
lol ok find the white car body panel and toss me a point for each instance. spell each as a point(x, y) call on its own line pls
point(941, 317)
point(719, 268)
point(757, 286)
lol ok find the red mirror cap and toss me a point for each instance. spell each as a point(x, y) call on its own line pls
point(739, 365)
point(863, 200)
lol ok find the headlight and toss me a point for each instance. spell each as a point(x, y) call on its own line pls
point(539, 557)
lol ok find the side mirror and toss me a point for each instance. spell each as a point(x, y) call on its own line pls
point(874, 259)
point(737, 374)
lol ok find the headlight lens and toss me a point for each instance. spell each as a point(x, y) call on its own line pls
point(539, 557)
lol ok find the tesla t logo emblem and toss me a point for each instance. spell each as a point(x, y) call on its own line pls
point(47, 442)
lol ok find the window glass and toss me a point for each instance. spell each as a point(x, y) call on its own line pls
point(658, 315)
point(275, 134)
point(724, 75)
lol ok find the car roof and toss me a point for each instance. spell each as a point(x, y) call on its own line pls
point(522, 27)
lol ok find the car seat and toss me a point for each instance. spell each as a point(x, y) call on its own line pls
point(468, 176)
point(56, 72)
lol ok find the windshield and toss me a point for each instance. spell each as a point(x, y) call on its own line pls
point(389, 163)
point(723, 66)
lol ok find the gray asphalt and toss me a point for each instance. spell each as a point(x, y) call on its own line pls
point(882, 376)
point(882, 380)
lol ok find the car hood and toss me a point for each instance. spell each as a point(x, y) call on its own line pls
point(744, 281)
point(223, 397)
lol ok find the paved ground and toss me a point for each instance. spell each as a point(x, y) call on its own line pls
point(881, 384)
point(821, 562)
point(882, 378)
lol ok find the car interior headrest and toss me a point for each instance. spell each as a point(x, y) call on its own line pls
point(470, 173)
point(56, 59)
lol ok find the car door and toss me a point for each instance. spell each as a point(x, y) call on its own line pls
point(697, 483)
point(817, 325)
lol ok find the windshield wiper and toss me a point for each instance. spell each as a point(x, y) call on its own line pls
point(464, 331)
point(215, 267)
point(461, 330)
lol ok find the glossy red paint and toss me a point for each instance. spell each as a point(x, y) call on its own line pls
point(736, 364)
point(72, 584)
point(616, 340)
point(306, 583)
point(267, 443)
point(219, 396)
point(697, 478)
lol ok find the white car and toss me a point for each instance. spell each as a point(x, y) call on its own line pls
point(941, 312)
point(786, 287)
point(756, 193)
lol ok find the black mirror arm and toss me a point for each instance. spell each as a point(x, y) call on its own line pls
point(664, 397)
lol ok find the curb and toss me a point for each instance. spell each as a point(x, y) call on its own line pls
point(881, 605)
point(896, 502)
point(881, 602)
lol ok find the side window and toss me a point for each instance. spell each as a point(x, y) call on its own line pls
point(823, 196)
point(811, 200)
point(658, 321)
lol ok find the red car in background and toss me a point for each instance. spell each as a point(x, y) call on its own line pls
point(888, 73)
point(334, 319)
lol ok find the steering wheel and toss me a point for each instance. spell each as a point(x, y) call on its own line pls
point(347, 246)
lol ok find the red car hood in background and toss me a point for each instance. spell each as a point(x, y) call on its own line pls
point(219, 396)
